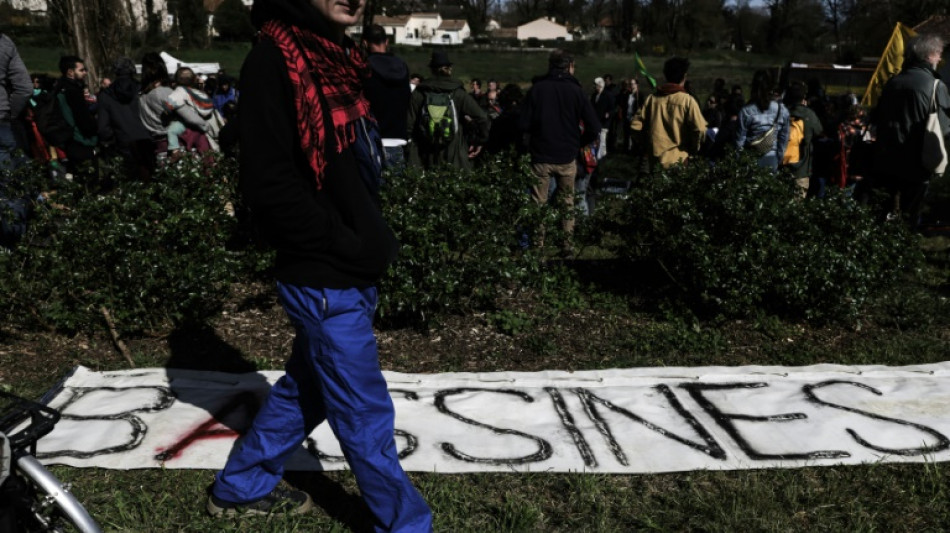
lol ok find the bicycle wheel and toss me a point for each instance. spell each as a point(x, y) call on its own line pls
point(42, 502)
point(53, 507)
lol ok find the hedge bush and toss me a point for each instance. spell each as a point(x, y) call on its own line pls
point(461, 236)
point(737, 239)
point(152, 254)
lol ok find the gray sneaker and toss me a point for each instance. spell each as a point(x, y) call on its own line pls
point(279, 501)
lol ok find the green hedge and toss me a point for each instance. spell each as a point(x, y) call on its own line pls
point(151, 253)
point(737, 239)
point(460, 237)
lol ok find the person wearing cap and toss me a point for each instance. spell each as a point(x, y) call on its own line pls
point(388, 91)
point(302, 121)
point(473, 123)
point(558, 119)
point(120, 124)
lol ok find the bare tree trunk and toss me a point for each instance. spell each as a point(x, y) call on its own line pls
point(100, 31)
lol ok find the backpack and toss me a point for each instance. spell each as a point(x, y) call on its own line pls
point(795, 152)
point(50, 121)
point(439, 120)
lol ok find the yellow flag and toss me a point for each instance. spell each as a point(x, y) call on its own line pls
point(890, 64)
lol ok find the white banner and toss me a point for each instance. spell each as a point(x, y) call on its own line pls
point(616, 421)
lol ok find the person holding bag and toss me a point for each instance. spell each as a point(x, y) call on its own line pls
point(901, 119)
point(763, 123)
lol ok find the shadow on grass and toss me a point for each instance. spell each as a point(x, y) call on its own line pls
point(339, 504)
point(202, 349)
point(645, 282)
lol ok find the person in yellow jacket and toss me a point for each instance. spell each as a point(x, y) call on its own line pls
point(670, 125)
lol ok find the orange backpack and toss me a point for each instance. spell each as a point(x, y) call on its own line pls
point(794, 152)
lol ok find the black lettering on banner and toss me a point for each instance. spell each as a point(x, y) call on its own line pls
point(590, 401)
point(942, 442)
point(544, 447)
point(567, 420)
point(412, 442)
point(725, 420)
point(138, 429)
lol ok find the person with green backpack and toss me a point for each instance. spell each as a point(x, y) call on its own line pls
point(446, 125)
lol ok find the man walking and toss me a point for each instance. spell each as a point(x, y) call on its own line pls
point(900, 117)
point(671, 123)
point(300, 124)
point(388, 91)
point(559, 119)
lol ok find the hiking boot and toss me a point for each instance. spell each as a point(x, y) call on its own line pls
point(279, 501)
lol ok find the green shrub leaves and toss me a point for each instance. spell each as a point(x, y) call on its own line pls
point(737, 239)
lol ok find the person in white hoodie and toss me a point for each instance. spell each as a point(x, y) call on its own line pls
point(193, 114)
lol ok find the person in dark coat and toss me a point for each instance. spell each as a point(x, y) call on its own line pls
point(900, 117)
point(604, 104)
point(120, 125)
point(559, 119)
point(388, 91)
point(71, 89)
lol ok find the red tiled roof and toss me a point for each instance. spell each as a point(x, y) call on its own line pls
point(391, 21)
point(452, 25)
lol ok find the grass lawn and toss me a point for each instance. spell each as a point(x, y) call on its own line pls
point(517, 66)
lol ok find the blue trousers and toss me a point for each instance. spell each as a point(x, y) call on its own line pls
point(333, 374)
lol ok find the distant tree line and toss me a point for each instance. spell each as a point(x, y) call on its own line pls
point(99, 30)
point(851, 28)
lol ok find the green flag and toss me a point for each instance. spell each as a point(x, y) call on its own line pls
point(643, 70)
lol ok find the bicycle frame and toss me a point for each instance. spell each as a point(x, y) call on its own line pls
point(22, 423)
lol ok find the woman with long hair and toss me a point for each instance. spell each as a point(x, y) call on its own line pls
point(763, 123)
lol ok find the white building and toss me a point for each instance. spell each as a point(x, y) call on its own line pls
point(543, 29)
point(421, 28)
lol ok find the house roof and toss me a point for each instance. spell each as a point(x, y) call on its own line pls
point(542, 20)
point(391, 21)
point(452, 25)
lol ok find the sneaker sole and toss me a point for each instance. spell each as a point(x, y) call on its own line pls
point(219, 512)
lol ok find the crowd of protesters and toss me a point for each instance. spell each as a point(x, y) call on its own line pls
point(148, 117)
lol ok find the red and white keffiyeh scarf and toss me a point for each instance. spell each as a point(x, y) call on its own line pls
point(319, 67)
